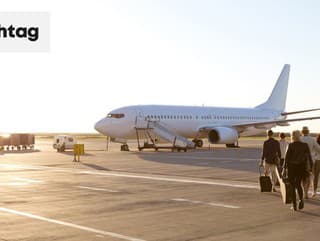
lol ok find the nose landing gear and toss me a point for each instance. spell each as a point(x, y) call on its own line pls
point(124, 147)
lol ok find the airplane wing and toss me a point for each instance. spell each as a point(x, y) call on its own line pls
point(262, 125)
point(298, 112)
point(282, 122)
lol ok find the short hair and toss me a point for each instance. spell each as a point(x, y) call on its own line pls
point(305, 130)
point(270, 133)
point(296, 135)
point(282, 135)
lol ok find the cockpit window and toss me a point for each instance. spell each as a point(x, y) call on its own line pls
point(117, 116)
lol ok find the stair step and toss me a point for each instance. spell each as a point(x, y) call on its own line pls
point(170, 136)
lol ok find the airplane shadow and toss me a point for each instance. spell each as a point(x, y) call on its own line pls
point(96, 167)
point(241, 159)
point(315, 202)
point(310, 213)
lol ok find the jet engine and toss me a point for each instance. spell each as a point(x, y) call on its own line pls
point(222, 135)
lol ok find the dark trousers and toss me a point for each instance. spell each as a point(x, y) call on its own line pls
point(280, 167)
point(295, 175)
point(281, 162)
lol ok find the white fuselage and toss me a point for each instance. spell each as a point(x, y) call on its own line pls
point(220, 125)
point(183, 120)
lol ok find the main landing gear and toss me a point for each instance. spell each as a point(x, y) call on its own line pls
point(198, 142)
point(233, 145)
point(124, 147)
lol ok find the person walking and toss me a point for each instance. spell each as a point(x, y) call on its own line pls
point(283, 148)
point(313, 147)
point(316, 170)
point(296, 159)
point(270, 158)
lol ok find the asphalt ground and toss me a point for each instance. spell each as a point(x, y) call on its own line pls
point(111, 195)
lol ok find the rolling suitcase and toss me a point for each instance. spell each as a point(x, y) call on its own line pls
point(265, 182)
point(285, 186)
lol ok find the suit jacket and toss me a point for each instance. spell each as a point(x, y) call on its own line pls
point(271, 150)
point(298, 153)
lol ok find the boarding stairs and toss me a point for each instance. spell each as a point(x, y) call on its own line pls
point(153, 129)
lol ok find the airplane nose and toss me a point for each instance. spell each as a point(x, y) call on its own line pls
point(99, 126)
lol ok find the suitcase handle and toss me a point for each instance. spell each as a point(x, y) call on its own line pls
point(260, 169)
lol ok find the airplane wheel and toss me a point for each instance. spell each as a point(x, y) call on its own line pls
point(199, 143)
point(62, 149)
point(124, 147)
point(232, 145)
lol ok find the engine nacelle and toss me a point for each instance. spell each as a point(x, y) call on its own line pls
point(222, 135)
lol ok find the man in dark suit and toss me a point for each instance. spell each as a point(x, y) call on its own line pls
point(297, 157)
point(270, 157)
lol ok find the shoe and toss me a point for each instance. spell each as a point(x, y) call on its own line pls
point(314, 195)
point(294, 207)
point(274, 190)
point(301, 204)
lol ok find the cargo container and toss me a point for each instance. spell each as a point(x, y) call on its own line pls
point(6, 141)
point(17, 141)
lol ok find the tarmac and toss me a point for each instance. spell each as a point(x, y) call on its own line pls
point(204, 194)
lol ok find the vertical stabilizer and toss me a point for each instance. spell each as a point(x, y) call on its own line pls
point(278, 97)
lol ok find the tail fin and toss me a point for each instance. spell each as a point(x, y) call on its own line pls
point(278, 97)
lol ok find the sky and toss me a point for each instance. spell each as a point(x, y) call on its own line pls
point(106, 54)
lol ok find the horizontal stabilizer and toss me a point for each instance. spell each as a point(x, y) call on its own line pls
point(298, 112)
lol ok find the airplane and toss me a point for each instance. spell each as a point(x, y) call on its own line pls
point(220, 125)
